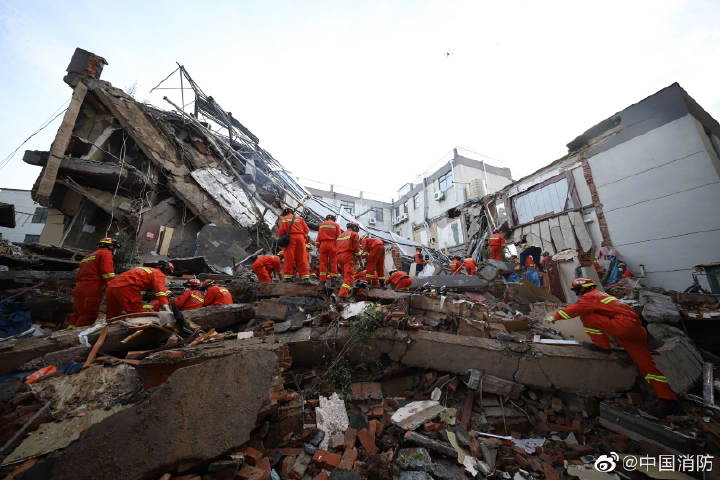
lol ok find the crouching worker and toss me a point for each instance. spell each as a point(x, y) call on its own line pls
point(603, 315)
point(265, 266)
point(124, 292)
point(214, 294)
point(192, 297)
point(399, 280)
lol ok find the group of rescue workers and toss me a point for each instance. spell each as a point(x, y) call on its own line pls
point(339, 252)
point(96, 279)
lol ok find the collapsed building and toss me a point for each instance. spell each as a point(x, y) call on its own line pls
point(461, 377)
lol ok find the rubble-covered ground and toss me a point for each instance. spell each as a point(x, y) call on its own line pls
point(455, 382)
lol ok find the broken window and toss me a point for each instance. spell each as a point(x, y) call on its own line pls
point(348, 205)
point(377, 213)
point(40, 215)
point(544, 199)
point(416, 200)
point(31, 238)
point(445, 181)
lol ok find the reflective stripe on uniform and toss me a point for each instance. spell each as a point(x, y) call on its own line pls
point(145, 269)
point(345, 285)
point(344, 238)
point(108, 275)
point(161, 294)
point(370, 276)
point(287, 220)
point(589, 284)
point(323, 273)
point(564, 315)
point(150, 307)
point(381, 278)
point(223, 290)
point(88, 259)
point(327, 226)
point(594, 331)
point(304, 276)
point(198, 298)
point(287, 276)
point(608, 300)
point(656, 378)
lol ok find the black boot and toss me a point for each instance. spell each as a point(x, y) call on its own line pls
point(594, 348)
point(665, 408)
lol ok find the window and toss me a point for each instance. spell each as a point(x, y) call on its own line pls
point(32, 238)
point(405, 210)
point(548, 199)
point(416, 200)
point(40, 215)
point(348, 205)
point(445, 181)
point(397, 212)
point(377, 213)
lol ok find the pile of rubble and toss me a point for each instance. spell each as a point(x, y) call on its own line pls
point(459, 381)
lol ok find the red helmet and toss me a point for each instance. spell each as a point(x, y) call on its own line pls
point(167, 267)
point(207, 283)
point(108, 242)
point(194, 282)
point(582, 283)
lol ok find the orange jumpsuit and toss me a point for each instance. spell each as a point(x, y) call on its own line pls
point(361, 276)
point(470, 266)
point(603, 315)
point(376, 260)
point(496, 241)
point(216, 295)
point(123, 291)
point(264, 266)
point(456, 267)
point(295, 253)
point(327, 236)
point(400, 280)
point(348, 244)
point(190, 300)
point(94, 272)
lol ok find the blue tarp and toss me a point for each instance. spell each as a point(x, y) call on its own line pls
point(13, 318)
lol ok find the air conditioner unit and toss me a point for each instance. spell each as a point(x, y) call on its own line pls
point(401, 218)
point(439, 195)
point(371, 222)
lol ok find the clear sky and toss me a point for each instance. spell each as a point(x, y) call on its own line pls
point(363, 94)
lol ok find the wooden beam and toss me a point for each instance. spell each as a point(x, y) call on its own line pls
point(57, 151)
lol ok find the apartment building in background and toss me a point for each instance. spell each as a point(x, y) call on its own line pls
point(30, 217)
point(370, 212)
point(427, 211)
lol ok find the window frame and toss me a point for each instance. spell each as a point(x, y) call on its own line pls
point(35, 236)
point(348, 205)
point(447, 180)
point(40, 215)
point(378, 213)
point(416, 199)
point(572, 200)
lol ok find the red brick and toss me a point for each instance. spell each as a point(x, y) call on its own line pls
point(350, 437)
point(348, 459)
point(366, 391)
point(377, 412)
point(326, 460)
point(265, 466)
point(376, 427)
point(433, 426)
point(251, 473)
point(367, 440)
point(252, 456)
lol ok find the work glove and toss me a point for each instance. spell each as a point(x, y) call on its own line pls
point(550, 318)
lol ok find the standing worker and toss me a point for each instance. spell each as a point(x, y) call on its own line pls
point(603, 315)
point(264, 266)
point(124, 291)
point(296, 229)
point(375, 261)
point(456, 266)
point(191, 298)
point(327, 236)
point(496, 242)
point(419, 260)
point(348, 245)
point(214, 294)
point(529, 249)
point(95, 271)
point(470, 266)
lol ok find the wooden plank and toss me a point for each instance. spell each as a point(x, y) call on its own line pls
point(546, 238)
point(96, 347)
point(581, 231)
point(567, 232)
point(556, 234)
point(62, 139)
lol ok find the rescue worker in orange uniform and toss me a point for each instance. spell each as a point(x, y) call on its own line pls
point(419, 260)
point(399, 280)
point(295, 253)
point(470, 266)
point(124, 291)
point(327, 236)
point(95, 271)
point(456, 266)
point(603, 315)
point(497, 242)
point(214, 294)
point(348, 245)
point(192, 297)
point(264, 266)
point(375, 261)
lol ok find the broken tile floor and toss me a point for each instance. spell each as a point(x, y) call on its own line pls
point(289, 384)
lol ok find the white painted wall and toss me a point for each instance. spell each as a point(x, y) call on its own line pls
point(24, 210)
point(660, 193)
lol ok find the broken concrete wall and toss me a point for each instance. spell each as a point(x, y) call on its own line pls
point(174, 425)
point(175, 223)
